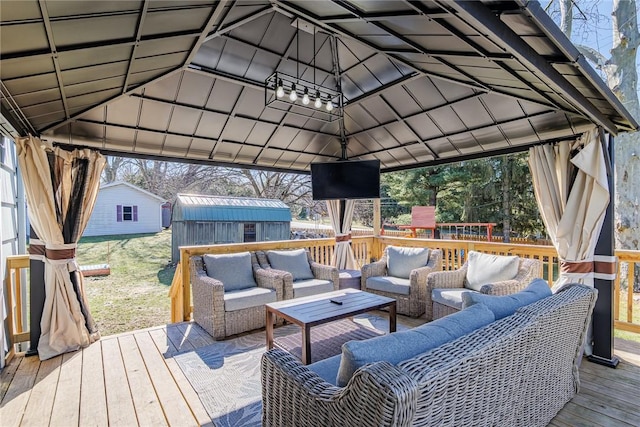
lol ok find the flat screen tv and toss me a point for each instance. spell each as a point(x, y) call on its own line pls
point(347, 179)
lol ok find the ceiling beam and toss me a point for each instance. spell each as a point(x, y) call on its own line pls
point(239, 22)
point(132, 57)
point(211, 110)
point(367, 95)
point(54, 54)
point(289, 8)
point(420, 113)
point(478, 16)
point(468, 130)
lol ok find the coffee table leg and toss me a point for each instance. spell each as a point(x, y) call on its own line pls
point(392, 317)
point(306, 344)
point(269, 329)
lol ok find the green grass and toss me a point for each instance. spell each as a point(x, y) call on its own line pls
point(135, 294)
point(622, 315)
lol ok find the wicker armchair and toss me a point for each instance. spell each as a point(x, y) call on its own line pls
point(413, 303)
point(528, 269)
point(210, 310)
point(321, 278)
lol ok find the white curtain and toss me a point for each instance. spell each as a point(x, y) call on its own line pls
point(573, 195)
point(61, 189)
point(343, 257)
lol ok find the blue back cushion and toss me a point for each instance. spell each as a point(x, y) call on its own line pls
point(295, 262)
point(400, 261)
point(506, 305)
point(399, 346)
point(233, 270)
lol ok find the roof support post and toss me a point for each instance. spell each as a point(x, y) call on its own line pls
point(603, 312)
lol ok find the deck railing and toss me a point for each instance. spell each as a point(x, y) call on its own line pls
point(17, 331)
point(366, 248)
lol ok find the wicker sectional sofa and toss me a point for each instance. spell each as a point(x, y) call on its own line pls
point(519, 370)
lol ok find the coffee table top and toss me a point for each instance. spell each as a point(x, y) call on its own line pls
point(318, 309)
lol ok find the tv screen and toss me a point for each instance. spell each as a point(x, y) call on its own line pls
point(348, 179)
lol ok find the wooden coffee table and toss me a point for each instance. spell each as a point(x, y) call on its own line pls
point(318, 310)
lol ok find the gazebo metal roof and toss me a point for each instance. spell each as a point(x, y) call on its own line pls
point(425, 82)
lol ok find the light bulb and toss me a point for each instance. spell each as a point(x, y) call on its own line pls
point(293, 95)
point(280, 89)
point(329, 105)
point(305, 97)
point(318, 102)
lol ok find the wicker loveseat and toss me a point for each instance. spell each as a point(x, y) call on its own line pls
point(519, 370)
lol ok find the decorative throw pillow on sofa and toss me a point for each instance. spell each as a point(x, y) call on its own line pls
point(488, 268)
point(506, 305)
point(233, 270)
point(295, 262)
point(400, 261)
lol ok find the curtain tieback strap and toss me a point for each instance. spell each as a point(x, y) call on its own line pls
point(53, 254)
point(343, 237)
point(604, 267)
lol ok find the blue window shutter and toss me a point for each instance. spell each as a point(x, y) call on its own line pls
point(135, 213)
point(119, 213)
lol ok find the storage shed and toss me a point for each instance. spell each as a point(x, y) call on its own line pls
point(123, 208)
point(206, 220)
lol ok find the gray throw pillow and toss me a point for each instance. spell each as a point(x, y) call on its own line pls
point(295, 262)
point(487, 268)
point(506, 305)
point(400, 261)
point(233, 270)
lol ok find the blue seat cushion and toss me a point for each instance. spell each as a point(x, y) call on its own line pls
point(399, 346)
point(449, 297)
point(249, 297)
point(304, 288)
point(401, 261)
point(233, 270)
point(394, 285)
point(295, 262)
point(327, 369)
point(506, 305)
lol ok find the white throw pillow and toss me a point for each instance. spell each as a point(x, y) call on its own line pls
point(486, 268)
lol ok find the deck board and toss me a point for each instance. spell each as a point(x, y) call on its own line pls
point(132, 379)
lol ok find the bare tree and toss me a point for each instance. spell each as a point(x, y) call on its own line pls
point(621, 74)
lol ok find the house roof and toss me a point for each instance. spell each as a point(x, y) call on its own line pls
point(424, 82)
point(126, 184)
point(194, 207)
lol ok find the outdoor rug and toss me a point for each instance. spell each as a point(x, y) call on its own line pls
point(226, 374)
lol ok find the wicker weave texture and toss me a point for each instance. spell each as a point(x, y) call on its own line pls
point(528, 270)
point(518, 371)
point(208, 301)
point(413, 304)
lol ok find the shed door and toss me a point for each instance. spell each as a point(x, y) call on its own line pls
point(203, 233)
point(226, 232)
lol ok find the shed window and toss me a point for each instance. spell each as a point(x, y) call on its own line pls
point(249, 233)
point(126, 213)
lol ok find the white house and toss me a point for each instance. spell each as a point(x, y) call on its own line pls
point(123, 208)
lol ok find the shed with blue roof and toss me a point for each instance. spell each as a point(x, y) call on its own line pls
point(206, 220)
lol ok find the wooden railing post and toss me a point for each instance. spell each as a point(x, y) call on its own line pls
point(186, 285)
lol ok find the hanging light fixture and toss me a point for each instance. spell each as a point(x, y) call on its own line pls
point(314, 96)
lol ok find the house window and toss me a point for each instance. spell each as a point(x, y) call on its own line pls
point(126, 213)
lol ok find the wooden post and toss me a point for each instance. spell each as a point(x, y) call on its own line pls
point(186, 285)
point(376, 217)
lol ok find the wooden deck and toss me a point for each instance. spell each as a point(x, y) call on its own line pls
point(132, 379)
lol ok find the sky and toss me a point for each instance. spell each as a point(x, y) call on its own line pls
point(594, 28)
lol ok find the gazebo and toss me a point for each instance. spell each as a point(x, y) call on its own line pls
point(235, 83)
